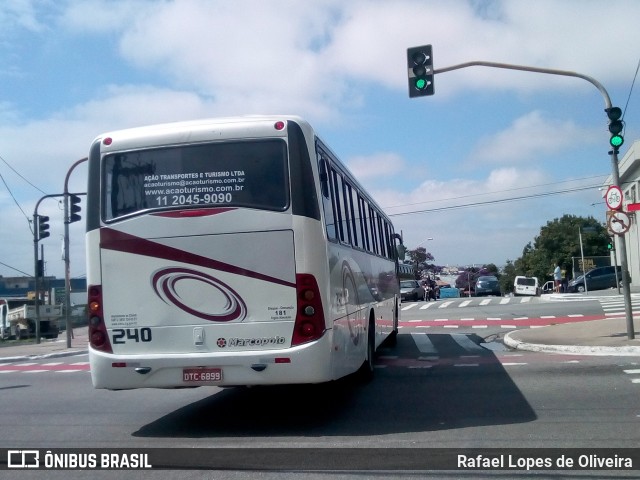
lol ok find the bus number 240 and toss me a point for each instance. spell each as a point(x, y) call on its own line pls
point(122, 335)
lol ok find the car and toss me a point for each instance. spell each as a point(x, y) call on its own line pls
point(411, 290)
point(526, 286)
point(598, 278)
point(549, 287)
point(487, 285)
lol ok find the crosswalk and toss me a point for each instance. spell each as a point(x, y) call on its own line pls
point(633, 375)
point(615, 306)
point(611, 304)
point(462, 303)
point(425, 351)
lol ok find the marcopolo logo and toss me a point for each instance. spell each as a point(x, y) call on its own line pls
point(250, 342)
point(189, 289)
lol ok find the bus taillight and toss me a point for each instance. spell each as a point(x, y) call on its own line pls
point(309, 323)
point(98, 336)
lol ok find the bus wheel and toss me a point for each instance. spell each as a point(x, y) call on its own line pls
point(366, 370)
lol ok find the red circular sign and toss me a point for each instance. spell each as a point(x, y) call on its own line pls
point(614, 198)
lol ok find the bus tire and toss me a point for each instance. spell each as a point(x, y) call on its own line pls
point(365, 373)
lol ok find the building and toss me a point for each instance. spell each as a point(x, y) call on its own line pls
point(24, 286)
point(629, 169)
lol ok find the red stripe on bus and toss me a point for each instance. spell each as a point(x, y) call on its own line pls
point(123, 242)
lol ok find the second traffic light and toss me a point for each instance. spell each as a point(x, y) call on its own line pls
point(74, 208)
point(420, 71)
point(43, 227)
point(615, 127)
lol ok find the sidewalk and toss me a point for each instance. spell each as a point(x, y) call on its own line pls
point(16, 350)
point(592, 337)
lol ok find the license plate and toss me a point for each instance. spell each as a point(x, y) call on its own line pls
point(202, 374)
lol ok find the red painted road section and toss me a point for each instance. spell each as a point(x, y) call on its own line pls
point(21, 367)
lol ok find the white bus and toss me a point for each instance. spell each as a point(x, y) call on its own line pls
point(236, 251)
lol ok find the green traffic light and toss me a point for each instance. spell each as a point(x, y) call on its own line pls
point(616, 141)
point(421, 83)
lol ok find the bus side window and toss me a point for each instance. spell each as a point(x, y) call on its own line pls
point(324, 178)
point(327, 204)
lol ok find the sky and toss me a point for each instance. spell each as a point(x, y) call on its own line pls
point(471, 173)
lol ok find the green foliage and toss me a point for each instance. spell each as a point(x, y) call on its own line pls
point(507, 277)
point(419, 256)
point(557, 242)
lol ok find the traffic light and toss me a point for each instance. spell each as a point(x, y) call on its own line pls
point(43, 227)
point(402, 251)
point(610, 245)
point(74, 209)
point(615, 127)
point(420, 71)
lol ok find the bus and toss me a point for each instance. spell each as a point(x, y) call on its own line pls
point(233, 252)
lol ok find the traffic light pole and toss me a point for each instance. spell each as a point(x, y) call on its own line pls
point(67, 265)
point(36, 239)
point(614, 161)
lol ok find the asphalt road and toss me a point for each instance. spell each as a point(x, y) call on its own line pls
point(438, 388)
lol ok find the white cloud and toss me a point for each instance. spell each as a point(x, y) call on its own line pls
point(17, 14)
point(529, 136)
point(210, 58)
point(381, 164)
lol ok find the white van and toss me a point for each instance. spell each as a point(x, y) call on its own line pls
point(526, 286)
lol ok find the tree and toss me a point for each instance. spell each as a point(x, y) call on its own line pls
point(557, 242)
point(508, 277)
point(419, 257)
point(467, 280)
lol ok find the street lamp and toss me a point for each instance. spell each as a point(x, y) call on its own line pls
point(424, 241)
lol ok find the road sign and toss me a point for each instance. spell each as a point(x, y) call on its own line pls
point(618, 223)
point(614, 198)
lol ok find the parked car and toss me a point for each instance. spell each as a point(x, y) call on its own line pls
point(487, 285)
point(526, 286)
point(597, 279)
point(410, 290)
point(549, 287)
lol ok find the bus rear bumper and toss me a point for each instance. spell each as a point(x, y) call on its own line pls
point(308, 363)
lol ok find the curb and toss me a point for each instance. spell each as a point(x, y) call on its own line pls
point(567, 297)
point(571, 349)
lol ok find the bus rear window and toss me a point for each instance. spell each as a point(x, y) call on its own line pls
point(250, 173)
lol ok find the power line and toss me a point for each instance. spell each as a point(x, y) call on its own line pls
point(22, 177)
point(502, 200)
point(16, 202)
point(631, 89)
point(11, 193)
point(13, 268)
point(493, 192)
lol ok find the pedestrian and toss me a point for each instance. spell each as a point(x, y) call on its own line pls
point(557, 278)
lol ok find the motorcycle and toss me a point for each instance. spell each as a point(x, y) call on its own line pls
point(430, 292)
